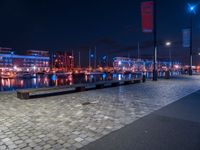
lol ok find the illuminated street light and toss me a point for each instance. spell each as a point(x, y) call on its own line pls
point(155, 72)
point(192, 10)
point(168, 44)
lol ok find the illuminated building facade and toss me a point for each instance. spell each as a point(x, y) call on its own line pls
point(13, 62)
point(128, 64)
point(38, 53)
point(134, 65)
point(62, 61)
point(35, 60)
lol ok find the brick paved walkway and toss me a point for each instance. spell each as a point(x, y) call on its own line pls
point(62, 122)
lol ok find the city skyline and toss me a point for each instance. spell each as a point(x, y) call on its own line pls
point(114, 27)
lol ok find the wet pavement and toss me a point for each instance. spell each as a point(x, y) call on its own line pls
point(62, 122)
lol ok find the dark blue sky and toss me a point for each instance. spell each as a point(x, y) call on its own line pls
point(113, 26)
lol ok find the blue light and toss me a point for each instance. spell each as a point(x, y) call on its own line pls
point(91, 55)
point(114, 75)
point(54, 77)
point(192, 8)
point(104, 76)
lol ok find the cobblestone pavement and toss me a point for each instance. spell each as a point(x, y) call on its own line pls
point(62, 122)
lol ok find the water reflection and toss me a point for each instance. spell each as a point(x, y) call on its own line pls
point(54, 80)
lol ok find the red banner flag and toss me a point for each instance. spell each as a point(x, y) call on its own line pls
point(147, 16)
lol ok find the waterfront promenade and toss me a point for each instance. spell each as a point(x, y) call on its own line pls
point(62, 122)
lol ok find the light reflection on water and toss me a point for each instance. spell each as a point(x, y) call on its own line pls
point(53, 80)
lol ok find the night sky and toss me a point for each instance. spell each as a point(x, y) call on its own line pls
point(113, 26)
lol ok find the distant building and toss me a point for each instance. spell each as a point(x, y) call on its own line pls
point(11, 61)
point(4, 50)
point(38, 53)
point(128, 64)
point(35, 60)
point(62, 61)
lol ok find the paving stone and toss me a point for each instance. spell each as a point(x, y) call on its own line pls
point(78, 145)
point(18, 142)
point(3, 147)
point(27, 148)
point(66, 145)
point(57, 147)
point(37, 148)
point(47, 146)
point(22, 145)
point(32, 144)
point(51, 142)
point(12, 146)
point(78, 139)
point(37, 140)
point(5, 140)
point(15, 138)
point(71, 141)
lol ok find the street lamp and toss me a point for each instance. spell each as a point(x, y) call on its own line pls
point(192, 10)
point(155, 73)
point(168, 44)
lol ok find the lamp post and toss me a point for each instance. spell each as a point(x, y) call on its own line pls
point(168, 44)
point(155, 74)
point(192, 10)
point(89, 61)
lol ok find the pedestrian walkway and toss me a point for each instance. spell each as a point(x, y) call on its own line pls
point(174, 127)
point(72, 121)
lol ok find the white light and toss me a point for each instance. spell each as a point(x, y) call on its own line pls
point(168, 43)
point(15, 67)
point(119, 63)
point(176, 66)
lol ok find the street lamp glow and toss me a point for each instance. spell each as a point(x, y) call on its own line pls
point(168, 43)
point(192, 8)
